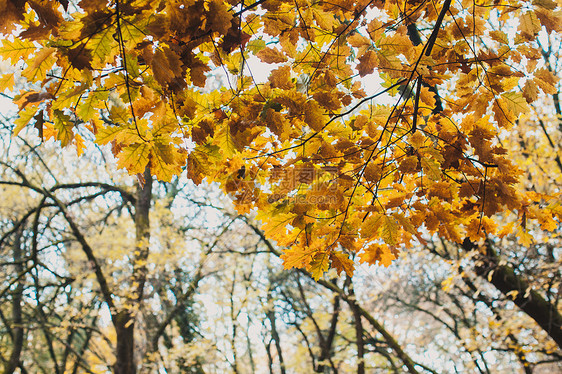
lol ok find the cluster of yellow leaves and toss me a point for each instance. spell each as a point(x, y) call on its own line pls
point(333, 172)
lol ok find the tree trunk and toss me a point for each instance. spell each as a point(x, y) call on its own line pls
point(124, 324)
point(142, 226)
point(124, 321)
point(327, 346)
point(17, 321)
point(358, 332)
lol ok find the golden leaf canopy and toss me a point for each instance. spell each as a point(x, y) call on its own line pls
point(375, 121)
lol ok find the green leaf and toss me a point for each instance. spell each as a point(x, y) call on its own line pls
point(255, 46)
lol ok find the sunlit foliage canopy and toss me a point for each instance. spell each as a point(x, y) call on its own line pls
point(378, 119)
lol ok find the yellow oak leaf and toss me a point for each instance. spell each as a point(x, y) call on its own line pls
point(7, 82)
point(121, 134)
point(24, 116)
point(17, 49)
point(297, 258)
point(276, 225)
point(224, 140)
point(515, 103)
point(200, 160)
point(119, 115)
point(325, 20)
point(49, 131)
point(165, 161)
point(342, 263)
point(319, 265)
point(134, 157)
point(40, 64)
point(80, 146)
point(64, 126)
point(417, 140)
point(524, 237)
point(546, 221)
point(406, 223)
point(431, 168)
point(101, 45)
point(499, 36)
point(91, 104)
point(271, 56)
point(358, 41)
point(281, 78)
point(529, 25)
point(389, 231)
point(377, 253)
point(504, 117)
point(371, 225)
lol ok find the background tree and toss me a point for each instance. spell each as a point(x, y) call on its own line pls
point(54, 231)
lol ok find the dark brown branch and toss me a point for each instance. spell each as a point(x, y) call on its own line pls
point(106, 187)
point(433, 37)
point(251, 6)
point(504, 278)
